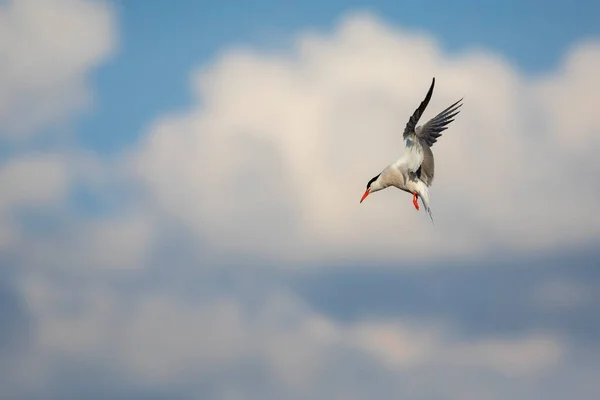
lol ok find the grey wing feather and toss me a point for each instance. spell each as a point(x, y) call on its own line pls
point(427, 169)
point(433, 129)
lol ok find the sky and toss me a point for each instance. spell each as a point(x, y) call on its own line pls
point(180, 186)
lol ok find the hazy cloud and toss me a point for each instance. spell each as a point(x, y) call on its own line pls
point(48, 49)
point(164, 341)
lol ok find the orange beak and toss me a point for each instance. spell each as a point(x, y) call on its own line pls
point(365, 195)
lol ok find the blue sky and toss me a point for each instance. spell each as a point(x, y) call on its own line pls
point(161, 43)
point(179, 212)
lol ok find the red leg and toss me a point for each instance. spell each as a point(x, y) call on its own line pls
point(415, 201)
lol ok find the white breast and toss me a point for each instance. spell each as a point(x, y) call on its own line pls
point(413, 157)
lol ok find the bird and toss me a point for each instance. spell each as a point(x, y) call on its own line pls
point(413, 172)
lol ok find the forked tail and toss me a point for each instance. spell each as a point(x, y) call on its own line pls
point(423, 192)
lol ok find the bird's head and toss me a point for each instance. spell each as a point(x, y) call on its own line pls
point(373, 185)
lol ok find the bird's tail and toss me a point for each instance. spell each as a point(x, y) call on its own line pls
point(423, 192)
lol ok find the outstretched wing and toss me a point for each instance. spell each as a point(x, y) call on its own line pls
point(428, 135)
point(414, 119)
point(419, 139)
point(433, 128)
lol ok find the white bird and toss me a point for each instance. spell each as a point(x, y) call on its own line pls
point(413, 172)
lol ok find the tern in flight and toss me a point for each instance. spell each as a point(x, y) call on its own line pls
point(413, 172)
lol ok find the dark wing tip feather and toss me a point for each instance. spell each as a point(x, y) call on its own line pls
point(419, 111)
point(425, 101)
point(414, 119)
point(435, 126)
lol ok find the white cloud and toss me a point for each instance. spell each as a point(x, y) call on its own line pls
point(404, 346)
point(275, 156)
point(396, 344)
point(118, 241)
point(530, 355)
point(32, 180)
point(44, 183)
point(48, 49)
point(161, 340)
point(574, 93)
point(35, 181)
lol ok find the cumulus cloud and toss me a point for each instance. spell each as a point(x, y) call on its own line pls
point(29, 181)
point(274, 157)
point(40, 195)
point(239, 334)
point(294, 352)
point(48, 49)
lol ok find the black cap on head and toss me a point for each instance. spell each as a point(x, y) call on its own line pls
point(372, 180)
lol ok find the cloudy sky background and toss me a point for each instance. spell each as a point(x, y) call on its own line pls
point(180, 186)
